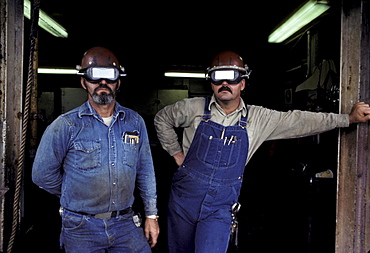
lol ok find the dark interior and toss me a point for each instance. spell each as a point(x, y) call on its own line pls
point(285, 206)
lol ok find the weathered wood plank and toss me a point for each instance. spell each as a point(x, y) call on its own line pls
point(353, 174)
point(11, 87)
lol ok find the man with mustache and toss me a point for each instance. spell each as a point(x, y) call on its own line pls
point(93, 157)
point(221, 133)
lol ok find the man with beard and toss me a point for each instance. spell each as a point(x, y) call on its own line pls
point(221, 133)
point(93, 157)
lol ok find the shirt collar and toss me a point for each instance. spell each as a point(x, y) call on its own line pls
point(87, 109)
point(241, 106)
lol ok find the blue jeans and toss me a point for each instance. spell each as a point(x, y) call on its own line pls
point(82, 233)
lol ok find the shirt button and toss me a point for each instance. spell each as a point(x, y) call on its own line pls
point(114, 183)
point(239, 178)
point(112, 164)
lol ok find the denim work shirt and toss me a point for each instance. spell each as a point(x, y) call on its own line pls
point(93, 168)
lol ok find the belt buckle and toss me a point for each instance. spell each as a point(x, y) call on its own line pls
point(104, 216)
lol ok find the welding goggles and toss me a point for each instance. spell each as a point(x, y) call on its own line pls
point(96, 74)
point(231, 76)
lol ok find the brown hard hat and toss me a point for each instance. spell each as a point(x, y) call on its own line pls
point(99, 57)
point(227, 60)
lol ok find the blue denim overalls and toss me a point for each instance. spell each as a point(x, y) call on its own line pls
point(206, 186)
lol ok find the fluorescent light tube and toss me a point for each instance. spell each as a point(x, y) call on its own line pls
point(46, 22)
point(56, 71)
point(184, 74)
point(308, 12)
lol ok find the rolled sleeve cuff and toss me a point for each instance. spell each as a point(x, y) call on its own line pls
point(151, 208)
point(173, 149)
point(343, 120)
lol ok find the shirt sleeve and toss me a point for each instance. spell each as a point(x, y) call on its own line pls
point(169, 118)
point(266, 124)
point(46, 171)
point(294, 124)
point(146, 182)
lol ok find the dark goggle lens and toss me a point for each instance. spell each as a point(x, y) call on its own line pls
point(96, 74)
point(99, 80)
point(232, 77)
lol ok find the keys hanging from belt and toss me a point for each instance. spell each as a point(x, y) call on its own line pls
point(234, 210)
point(234, 225)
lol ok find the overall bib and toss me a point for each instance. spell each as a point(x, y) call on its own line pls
point(205, 187)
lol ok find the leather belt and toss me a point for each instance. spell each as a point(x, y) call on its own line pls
point(106, 215)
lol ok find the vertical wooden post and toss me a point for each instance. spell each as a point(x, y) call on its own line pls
point(33, 131)
point(11, 89)
point(353, 196)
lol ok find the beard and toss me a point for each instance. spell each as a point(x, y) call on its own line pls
point(103, 98)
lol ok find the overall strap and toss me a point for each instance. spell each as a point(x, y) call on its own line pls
point(243, 120)
point(207, 112)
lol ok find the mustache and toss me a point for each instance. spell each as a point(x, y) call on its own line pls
point(225, 88)
point(103, 86)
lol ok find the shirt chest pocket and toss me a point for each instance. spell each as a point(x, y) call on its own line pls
point(130, 142)
point(87, 154)
point(130, 154)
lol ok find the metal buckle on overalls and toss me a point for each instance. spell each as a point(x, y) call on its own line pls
point(206, 117)
point(240, 121)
